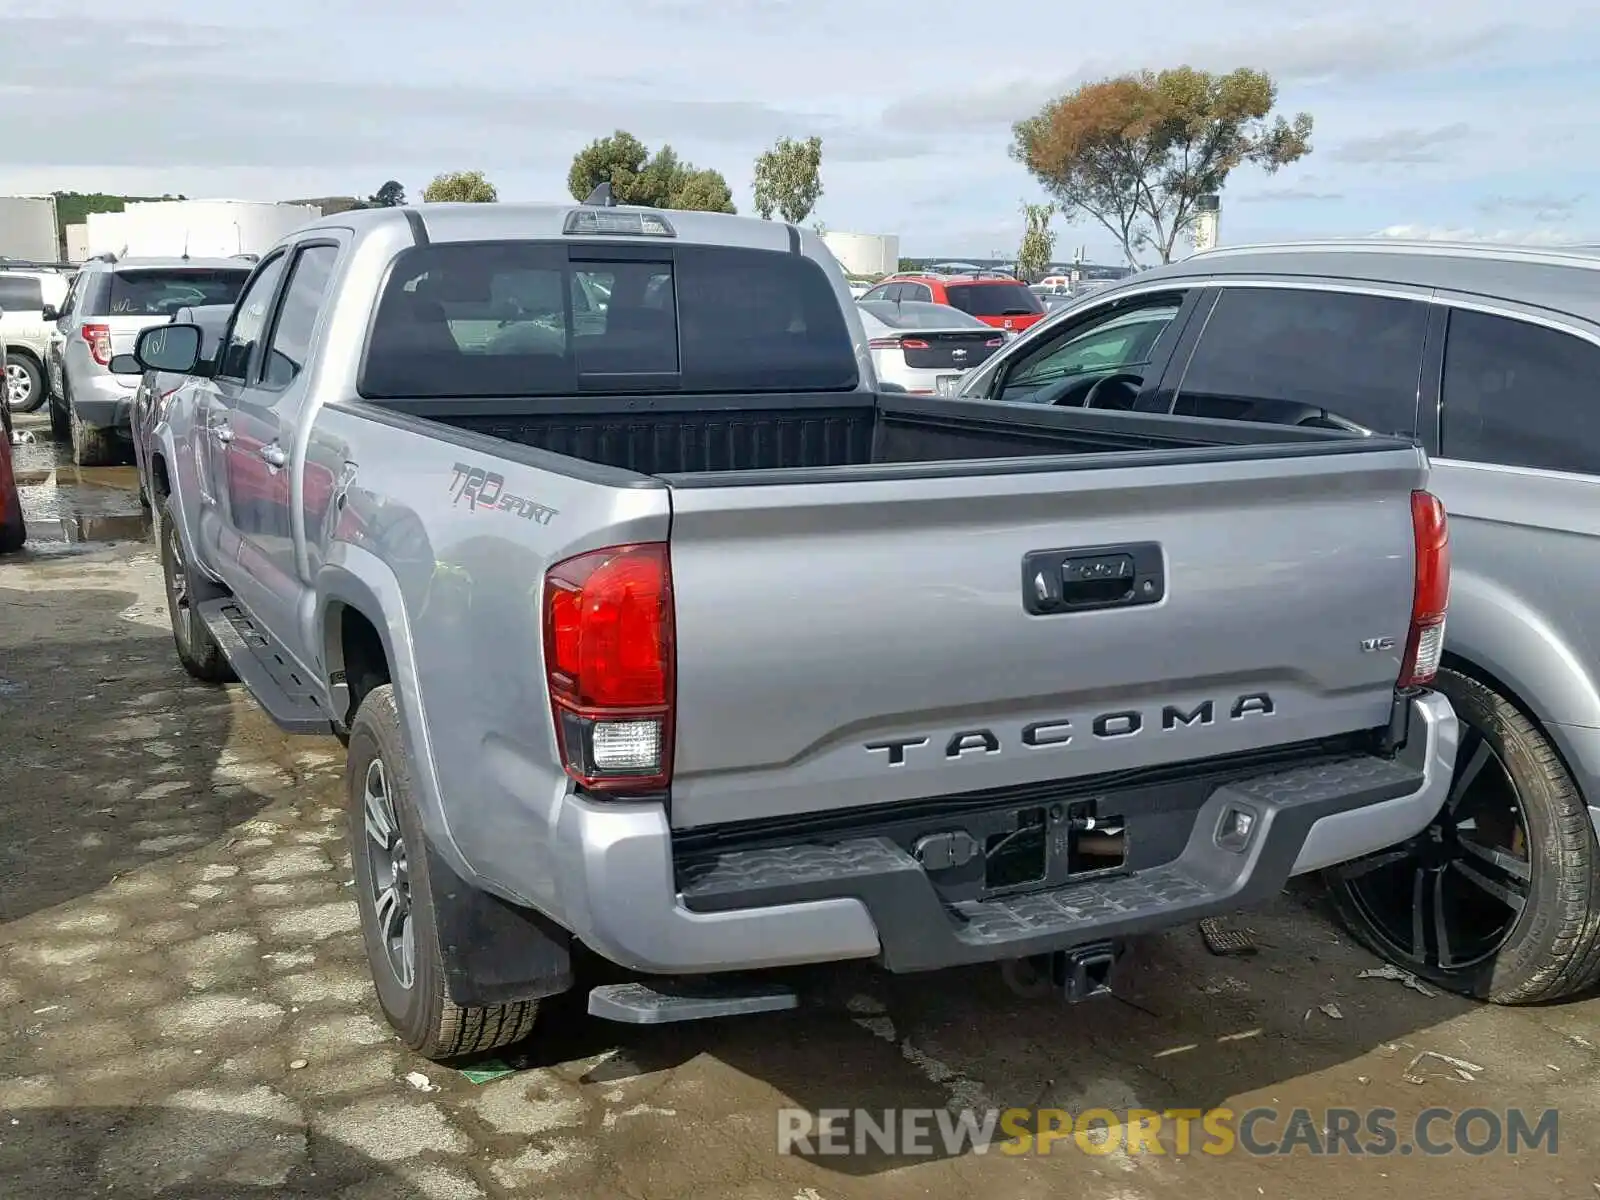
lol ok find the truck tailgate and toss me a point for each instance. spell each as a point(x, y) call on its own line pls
point(842, 644)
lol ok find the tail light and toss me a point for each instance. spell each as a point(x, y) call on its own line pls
point(913, 344)
point(888, 343)
point(610, 664)
point(99, 339)
point(995, 341)
point(1431, 597)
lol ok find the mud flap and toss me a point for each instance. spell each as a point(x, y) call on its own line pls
point(494, 952)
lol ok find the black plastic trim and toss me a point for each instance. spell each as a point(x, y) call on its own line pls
point(419, 227)
point(794, 240)
point(527, 456)
point(494, 952)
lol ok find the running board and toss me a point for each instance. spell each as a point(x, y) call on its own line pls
point(270, 675)
point(664, 1002)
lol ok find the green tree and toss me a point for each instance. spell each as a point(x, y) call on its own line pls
point(390, 195)
point(1038, 241)
point(468, 187)
point(1137, 152)
point(659, 180)
point(789, 179)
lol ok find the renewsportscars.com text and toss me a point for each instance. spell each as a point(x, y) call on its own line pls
point(1258, 1132)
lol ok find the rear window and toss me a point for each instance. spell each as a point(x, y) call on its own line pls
point(917, 314)
point(993, 299)
point(20, 293)
point(516, 318)
point(162, 292)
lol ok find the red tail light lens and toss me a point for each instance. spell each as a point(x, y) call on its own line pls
point(993, 342)
point(1431, 596)
point(99, 339)
point(884, 343)
point(913, 344)
point(610, 665)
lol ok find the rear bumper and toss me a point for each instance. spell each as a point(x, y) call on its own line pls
point(623, 895)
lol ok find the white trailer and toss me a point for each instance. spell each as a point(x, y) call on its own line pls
point(28, 228)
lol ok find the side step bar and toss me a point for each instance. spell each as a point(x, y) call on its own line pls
point(665, 1001)
point(273, 679)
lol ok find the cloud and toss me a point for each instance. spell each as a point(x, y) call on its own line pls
point(1545, 208)
point(1403, 145)
point(1286, 195)
point(1431, 233)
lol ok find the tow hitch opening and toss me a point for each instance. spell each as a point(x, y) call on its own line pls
point(1076, 975)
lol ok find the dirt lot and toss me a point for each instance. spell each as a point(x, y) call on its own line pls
point(184, 1010)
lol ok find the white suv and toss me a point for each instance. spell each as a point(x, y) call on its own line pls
point(24, 294)
point(110, 302)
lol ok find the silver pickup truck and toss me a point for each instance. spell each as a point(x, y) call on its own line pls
point(654, 625)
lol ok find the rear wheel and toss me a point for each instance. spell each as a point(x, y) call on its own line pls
point(1499, 897)
point(197, 649)
point(24, 384)
point(389, 855)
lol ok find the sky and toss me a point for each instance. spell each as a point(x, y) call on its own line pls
point(1469, 118)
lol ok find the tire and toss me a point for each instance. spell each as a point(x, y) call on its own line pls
point(1551, 947)
point(23, 371)
point(419, 1008)
point(92, 447)
point(197, 649)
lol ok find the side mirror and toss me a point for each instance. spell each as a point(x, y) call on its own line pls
point(125, 364)
point(50, 314)
point(174, 348)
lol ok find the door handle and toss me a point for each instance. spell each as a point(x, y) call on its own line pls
point(273, 454)
point(1093, 577)
point(223, 433)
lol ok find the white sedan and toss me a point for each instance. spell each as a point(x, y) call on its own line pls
point(925, 348)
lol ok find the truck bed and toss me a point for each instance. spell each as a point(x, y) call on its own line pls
point(684, 437)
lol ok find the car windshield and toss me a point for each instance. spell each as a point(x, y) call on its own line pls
point(526, 318)
point(993, 299)
point(160, 292)
point(920, 314)
point(1118, 344)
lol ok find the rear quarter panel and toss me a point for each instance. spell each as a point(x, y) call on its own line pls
point(460, 587)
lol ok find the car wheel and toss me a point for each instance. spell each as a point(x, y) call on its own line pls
point(25, 390)
point(389, 857)
point(1499, 897)
point(197, 649)
point(92, 447)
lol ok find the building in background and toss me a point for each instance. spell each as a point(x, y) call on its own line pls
point(28, 228)
point(865, 254)
point(198, 228)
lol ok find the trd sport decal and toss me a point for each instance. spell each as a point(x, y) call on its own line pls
point(485, 491)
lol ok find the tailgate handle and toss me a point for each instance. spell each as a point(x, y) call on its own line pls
point(1088, 578)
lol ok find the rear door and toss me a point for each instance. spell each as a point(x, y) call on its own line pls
point(265, 494)
point(1312, 353)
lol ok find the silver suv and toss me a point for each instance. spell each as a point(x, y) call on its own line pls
point(1488, 356)
point(110, 302)
point(25, 292)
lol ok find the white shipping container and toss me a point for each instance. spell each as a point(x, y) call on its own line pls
point(28, 228)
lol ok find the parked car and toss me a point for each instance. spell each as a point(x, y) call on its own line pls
point(111, 301)
point(25, 291)
point(155, 388)
point(1488, 357)
point(995, 298)
point(667, 633)
point(925, 348)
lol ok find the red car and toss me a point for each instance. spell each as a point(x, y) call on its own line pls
point(12, 531)
point(996, 299)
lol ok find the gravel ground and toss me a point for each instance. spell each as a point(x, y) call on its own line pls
point(185, 1012)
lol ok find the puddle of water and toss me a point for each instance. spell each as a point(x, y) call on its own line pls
point(65, 505)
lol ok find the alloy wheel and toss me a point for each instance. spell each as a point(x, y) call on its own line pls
point(390, 872)
point(1450, 897)
point(19, 386)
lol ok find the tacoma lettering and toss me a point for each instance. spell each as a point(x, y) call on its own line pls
point(1058, 731)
